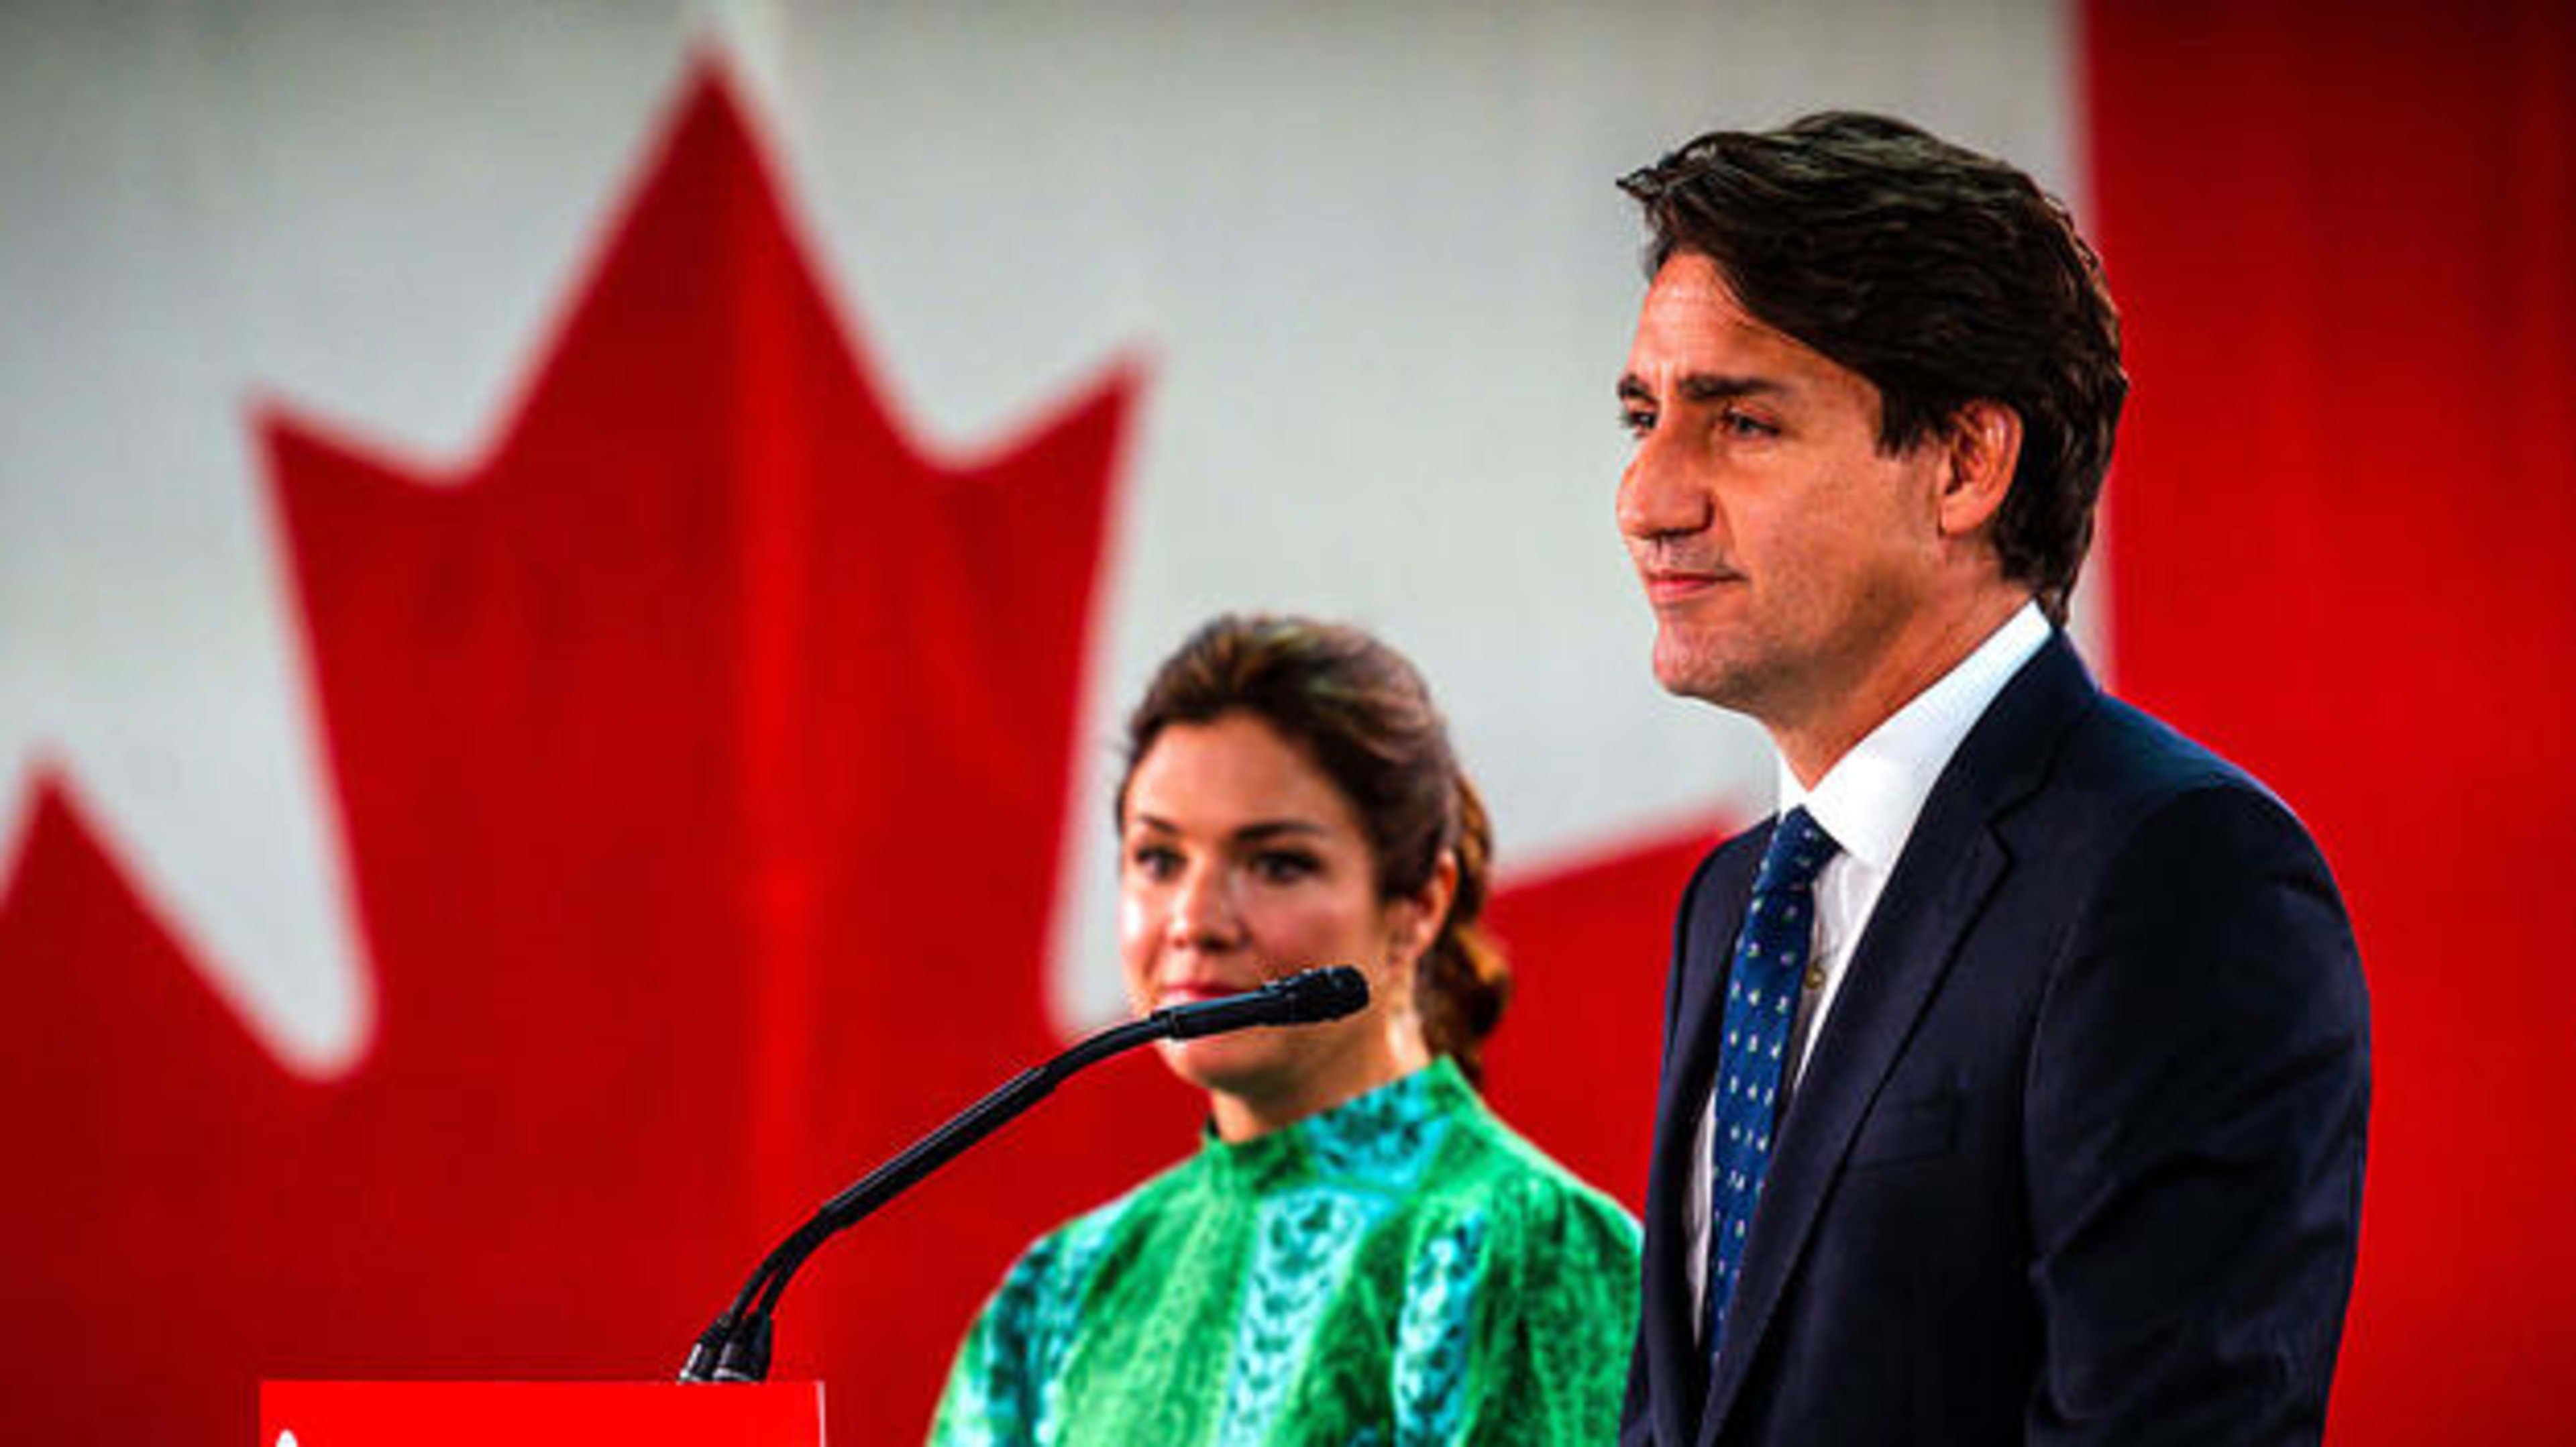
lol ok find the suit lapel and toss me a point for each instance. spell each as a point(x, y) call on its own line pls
point(1950, 866)
point(1711, 914)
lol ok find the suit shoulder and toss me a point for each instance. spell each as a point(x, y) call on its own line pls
point(2134, 771)
point(2122, 744)
point(2192, 858)
point(2131, 814)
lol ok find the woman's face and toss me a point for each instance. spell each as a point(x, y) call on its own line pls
point(1241, 862)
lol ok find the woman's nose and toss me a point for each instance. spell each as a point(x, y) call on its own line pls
point(1203, 915)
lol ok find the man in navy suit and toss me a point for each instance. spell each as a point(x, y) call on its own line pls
point(2015, 1075)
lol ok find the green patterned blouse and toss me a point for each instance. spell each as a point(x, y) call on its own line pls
point(1400, 1269)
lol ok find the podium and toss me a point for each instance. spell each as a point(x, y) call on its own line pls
point(539, 1414)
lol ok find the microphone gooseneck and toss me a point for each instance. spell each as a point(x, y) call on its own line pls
point(735, 1348)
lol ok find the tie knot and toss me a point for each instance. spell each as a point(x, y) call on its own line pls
point(1799, 847)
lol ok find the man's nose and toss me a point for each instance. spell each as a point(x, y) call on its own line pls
point(1660, 494)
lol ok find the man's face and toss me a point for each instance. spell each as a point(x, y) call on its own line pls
point(1782, 552)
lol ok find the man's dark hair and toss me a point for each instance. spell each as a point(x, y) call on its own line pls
point(1940, 275)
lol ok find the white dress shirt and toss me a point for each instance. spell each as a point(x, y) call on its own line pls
point(1868, 801)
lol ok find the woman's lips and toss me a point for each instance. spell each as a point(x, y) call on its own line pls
point(1186, 992)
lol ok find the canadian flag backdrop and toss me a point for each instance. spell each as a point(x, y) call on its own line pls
point(567, 579)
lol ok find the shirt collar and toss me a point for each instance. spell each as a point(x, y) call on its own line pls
point(1869, 799)
point(1387, 1136)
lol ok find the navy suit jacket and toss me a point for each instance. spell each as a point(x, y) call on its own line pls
point(2077, 1156)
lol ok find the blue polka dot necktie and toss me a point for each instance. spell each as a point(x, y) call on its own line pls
point(1761, 999)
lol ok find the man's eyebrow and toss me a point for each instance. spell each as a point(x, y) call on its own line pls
point(1705, 387)
point(1712, 387)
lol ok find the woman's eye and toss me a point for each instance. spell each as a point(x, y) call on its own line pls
point(1154, 861)
point(1283, 866)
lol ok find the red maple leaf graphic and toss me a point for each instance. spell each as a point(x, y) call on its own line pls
point(703, 755)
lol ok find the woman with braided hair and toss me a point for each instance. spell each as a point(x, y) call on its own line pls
point(1358, 1250)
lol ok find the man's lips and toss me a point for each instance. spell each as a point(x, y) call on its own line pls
point(1680, 585)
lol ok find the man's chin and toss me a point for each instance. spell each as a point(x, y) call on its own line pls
point(1687, 672)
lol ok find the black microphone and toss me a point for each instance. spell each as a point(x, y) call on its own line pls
point(1304, 997)
point(736, 1347)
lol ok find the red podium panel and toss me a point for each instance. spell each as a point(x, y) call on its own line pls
point(539, 1414)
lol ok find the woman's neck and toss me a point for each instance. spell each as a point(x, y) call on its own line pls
point(1242, 1115)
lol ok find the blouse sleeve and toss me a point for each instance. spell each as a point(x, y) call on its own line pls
point(1517, 1321)
point(992, 1396)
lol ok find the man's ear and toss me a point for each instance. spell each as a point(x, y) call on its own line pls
point(1980, 447)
